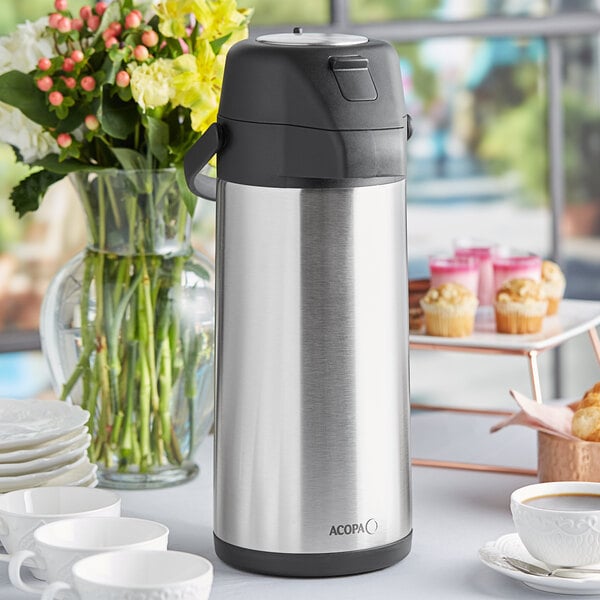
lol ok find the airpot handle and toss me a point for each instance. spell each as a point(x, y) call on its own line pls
point(197, 157)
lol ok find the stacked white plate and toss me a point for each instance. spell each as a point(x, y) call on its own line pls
point(44, 442)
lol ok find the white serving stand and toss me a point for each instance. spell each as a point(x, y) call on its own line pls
point(574, 318)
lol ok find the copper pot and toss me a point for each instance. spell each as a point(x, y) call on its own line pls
point(560, 459)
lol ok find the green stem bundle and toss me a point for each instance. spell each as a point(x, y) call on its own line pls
point(134, 352)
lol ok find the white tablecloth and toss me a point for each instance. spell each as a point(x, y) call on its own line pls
point(454, 513)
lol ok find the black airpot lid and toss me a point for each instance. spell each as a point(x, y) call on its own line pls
point(306, 110)
point(325, 81)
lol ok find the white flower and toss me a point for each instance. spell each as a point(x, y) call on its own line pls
point(20, 51)
point(31, 140)
point(151, 84)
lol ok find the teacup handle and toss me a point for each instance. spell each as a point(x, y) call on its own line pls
point(16, 561)
point(57, 586)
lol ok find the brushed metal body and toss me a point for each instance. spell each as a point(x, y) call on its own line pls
point(312, 394)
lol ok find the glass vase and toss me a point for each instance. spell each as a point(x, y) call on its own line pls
point(127, 329)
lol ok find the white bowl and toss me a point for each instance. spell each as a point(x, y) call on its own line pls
point(566, 538)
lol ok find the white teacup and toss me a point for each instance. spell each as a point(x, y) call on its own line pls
point(138, 575)
point(559, 522)
point(23, 511)
point(59, 545)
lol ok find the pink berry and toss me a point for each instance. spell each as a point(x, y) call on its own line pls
point(55, 98)
point(93, 23)
point(135, 11)
point(68, 65)
point(91, 122)
point(100, 8)
point(107, 33)
point(60, 5)
point(116, 28)
point(44, 64)
point(64, 140)
point(45, 83)
point(150, 38)
point(70, 82)
point(64, 25)
point(77, 56)
point(122, 79)
point(85, 12)
point(88, 83)
point(77, 24)
point(141, 53)
point(110, 42)
point(132, 21)
point(53, 20)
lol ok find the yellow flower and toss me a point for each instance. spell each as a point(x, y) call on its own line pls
point(151, 84)
point(219, 18)
point(197, 84)
point(173, 17)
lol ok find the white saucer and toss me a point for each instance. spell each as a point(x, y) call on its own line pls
point(26, 423)
point(45, 463)
point(81, 476)
point(7, 484)
point(510, 545)
point(79, 436)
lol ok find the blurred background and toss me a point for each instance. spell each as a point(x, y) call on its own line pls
point(505, 101)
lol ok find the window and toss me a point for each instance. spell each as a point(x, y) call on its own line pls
point(506, 110)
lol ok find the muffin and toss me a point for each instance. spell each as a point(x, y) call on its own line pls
point(553, 284)
point(520, 306)
point(449, 310)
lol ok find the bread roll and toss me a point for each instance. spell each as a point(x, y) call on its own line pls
point(590, 399)
point(586, 424)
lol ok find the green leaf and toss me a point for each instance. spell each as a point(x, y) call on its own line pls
point(18, 155)
point(28, 194)
point(125, 94)
point(110, 68)
point(19, 90)
point(217, 44)
point(158, 139)
point(74, 119)
point(112, 13)
point(118, 118)
point(194, 36)
point(130, 159)
point(190, 200)
point(51, 163)
point(199, 270)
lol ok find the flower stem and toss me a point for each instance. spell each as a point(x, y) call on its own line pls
point(136, 355)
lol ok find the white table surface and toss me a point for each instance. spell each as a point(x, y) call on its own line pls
point(454, 513)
